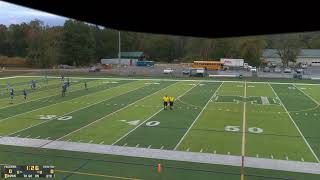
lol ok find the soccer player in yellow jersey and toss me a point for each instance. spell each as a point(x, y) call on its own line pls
point(171, 100)
point(165, 102)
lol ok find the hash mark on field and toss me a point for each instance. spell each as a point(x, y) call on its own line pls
point(214, 152)
point(188, 149)
point(101, 142)
point(27, 136)
point(228, 153)
point(48, 138)
point(257, 155)
point(287, 158)
point(149, 146)
point(91, 141)
point(125, 144)
point(201, 150)
point(302, 159)
point(137, 145)
point(271, 156)
point(161, 147)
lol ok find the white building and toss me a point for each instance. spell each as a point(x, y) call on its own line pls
point(311, 57)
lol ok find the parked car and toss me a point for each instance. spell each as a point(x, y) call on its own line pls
point(253, 69)
point(277, 70)
point(186, 71)
point(94, 69)
point(304, 66)
point(287, 70)
point(168, 71)
point(64, 66)
point(299, 70)
point(266, 69)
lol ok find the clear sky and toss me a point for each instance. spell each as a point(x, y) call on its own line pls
point(14, 14)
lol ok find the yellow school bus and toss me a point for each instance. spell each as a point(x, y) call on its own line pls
point(209, 65)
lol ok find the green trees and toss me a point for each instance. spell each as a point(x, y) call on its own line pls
point(79, 43)
point(289, 48)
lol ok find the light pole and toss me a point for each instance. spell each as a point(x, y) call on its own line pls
point(119, 54)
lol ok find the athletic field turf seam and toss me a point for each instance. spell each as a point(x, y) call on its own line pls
point(62, 101)
point(195, 120)
point(296, 125)
point(149, 118)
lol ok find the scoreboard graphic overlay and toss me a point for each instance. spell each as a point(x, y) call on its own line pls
point(27, 171)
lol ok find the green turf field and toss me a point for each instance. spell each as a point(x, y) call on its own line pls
point(265, 120)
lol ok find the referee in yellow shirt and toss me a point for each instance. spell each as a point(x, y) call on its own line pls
point(165, 102)
point(171, 100)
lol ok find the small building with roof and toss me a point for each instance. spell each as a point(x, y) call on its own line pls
point(126, 58)
point(311, 57)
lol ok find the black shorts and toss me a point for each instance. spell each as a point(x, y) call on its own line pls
point(165, 103)
point(171, 103)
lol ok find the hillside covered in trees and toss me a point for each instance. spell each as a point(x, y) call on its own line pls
point(78, 43)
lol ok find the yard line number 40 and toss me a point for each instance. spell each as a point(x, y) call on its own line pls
point(51, 117)
point(255, 130)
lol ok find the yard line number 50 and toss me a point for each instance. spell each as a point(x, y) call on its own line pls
point(255, 130)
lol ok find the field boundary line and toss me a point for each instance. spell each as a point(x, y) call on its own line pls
point(85, 107)
point(150, 117)
point(314, 154)
point(103, 116)
point(315, 101)
point(60, 102)
point(195, 120)
point(97, 175)
point(187, 80)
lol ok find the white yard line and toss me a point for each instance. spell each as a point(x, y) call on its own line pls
point(150, 117)
point(315, 101)
point(70, 112)
point(195, 120)
point(113, 112)
point(314, 154)
point(243, 153)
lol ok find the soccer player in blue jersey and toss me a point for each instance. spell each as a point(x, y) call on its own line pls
point(25, 94)
point(11, 95)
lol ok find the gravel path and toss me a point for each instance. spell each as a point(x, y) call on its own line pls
point(293, 166)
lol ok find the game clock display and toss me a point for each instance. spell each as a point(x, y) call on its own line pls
point(27, 171)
